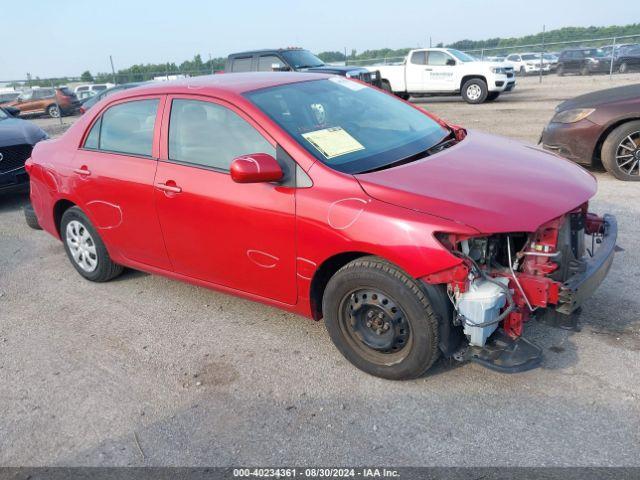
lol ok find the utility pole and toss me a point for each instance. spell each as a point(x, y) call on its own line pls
point(210, 63)
point(542, 52)
point(429, 41)
point(113, 70)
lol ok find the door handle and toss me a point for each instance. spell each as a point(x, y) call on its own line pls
point(83, 170)
point(428, 69)
point(168, 188)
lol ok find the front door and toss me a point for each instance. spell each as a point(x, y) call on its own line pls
point(113, 174)
point(241, 236)
point(441, 69)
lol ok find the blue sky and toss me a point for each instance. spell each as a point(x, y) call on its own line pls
point(66, 37)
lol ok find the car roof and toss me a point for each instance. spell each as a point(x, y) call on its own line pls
point(223, 83)
point(265, 50)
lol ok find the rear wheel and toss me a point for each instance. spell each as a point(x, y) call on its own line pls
point(53, 111)
point(85, 248)
point(403, 95)
point(491, 96)
point(31, 218)
point(386, 86)
point(380, 319)
point(623, 68)
point(474, 91)
point(584, 71)
point(560, 71)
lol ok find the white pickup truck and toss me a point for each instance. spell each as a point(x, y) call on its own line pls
point(445, 71)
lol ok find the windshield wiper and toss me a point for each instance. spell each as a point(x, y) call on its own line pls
point(446, 142)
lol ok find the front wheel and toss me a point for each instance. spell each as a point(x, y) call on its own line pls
point(621, 152)
point(623, 68)
point(53, 111)
point(381, 320)
point(474, 91)
point(85, 248)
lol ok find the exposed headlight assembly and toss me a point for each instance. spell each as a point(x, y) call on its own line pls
point(499, 70)
point(573, 115)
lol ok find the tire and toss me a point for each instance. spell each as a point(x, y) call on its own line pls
point(617, 155)
point(381, 320)
point(474, 91)
point(53, 111)
point(560, 71)
point(522, 71)
point(91, 251)
point(584, 71)
point(386, 86)
point(31, 218)
point(623, 67)
point(491, 96)
point(403, 95)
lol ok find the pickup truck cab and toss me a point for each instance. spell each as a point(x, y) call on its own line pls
point(445, 71)
point(294, 60)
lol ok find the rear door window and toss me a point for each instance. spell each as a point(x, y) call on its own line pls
point(419, 58)
point(125, 128)
point(269, 63)
point(241, 64)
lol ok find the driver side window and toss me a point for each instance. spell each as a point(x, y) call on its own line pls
point(438, 58)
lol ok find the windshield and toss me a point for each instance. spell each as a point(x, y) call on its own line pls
point(548, 56)
point(463, 57)
point(348, 126)
point(3, 114)
point(530, 56)
point(301, 59)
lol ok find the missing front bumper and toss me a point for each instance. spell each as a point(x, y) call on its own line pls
point(581, 285)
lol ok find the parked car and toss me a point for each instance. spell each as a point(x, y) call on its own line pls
point(51, 101)
point(601, 126)
point(91, 101)
point(91, 89)
point(17, 138)
point(628, 59)
point(326, 197)
point(445, 71)
point(528, 63)
point(552, 60)
point(293, 59)
point(8, 95)
point(583, 61)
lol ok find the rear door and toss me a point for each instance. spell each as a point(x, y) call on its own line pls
point(113, 175)
point(241, 236)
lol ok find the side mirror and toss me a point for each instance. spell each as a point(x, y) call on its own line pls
point(451, 62)
point(256, 168)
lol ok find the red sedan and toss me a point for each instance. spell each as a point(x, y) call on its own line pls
point(412, 238)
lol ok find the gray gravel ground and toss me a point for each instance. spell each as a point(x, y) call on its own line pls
point(203, 378)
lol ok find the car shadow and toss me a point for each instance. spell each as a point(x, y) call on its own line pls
point(11, 201)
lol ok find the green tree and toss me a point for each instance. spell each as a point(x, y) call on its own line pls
point(86, 76)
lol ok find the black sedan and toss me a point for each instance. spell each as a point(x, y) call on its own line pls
point(17, 138)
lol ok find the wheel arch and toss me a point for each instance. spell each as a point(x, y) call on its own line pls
point(61, 206)
point(466, 78)
point(596, 157)
point(323, 274)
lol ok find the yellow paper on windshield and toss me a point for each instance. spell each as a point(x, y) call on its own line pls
point(333, 142)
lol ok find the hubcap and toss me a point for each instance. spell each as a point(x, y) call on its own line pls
point(376, 324)
point(628, 154)
point(81, 246)
point(474, 92)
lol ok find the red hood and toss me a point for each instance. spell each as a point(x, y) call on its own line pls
point(487, 182)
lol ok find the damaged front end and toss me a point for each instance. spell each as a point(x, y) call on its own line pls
point(506, 279)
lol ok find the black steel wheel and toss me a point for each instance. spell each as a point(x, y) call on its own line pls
point(380, 319)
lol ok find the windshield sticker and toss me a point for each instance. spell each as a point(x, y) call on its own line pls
point(350, 84)
point(333, 142)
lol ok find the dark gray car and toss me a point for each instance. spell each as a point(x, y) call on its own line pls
point(17, 138)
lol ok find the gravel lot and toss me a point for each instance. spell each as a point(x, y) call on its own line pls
point(89, 371)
